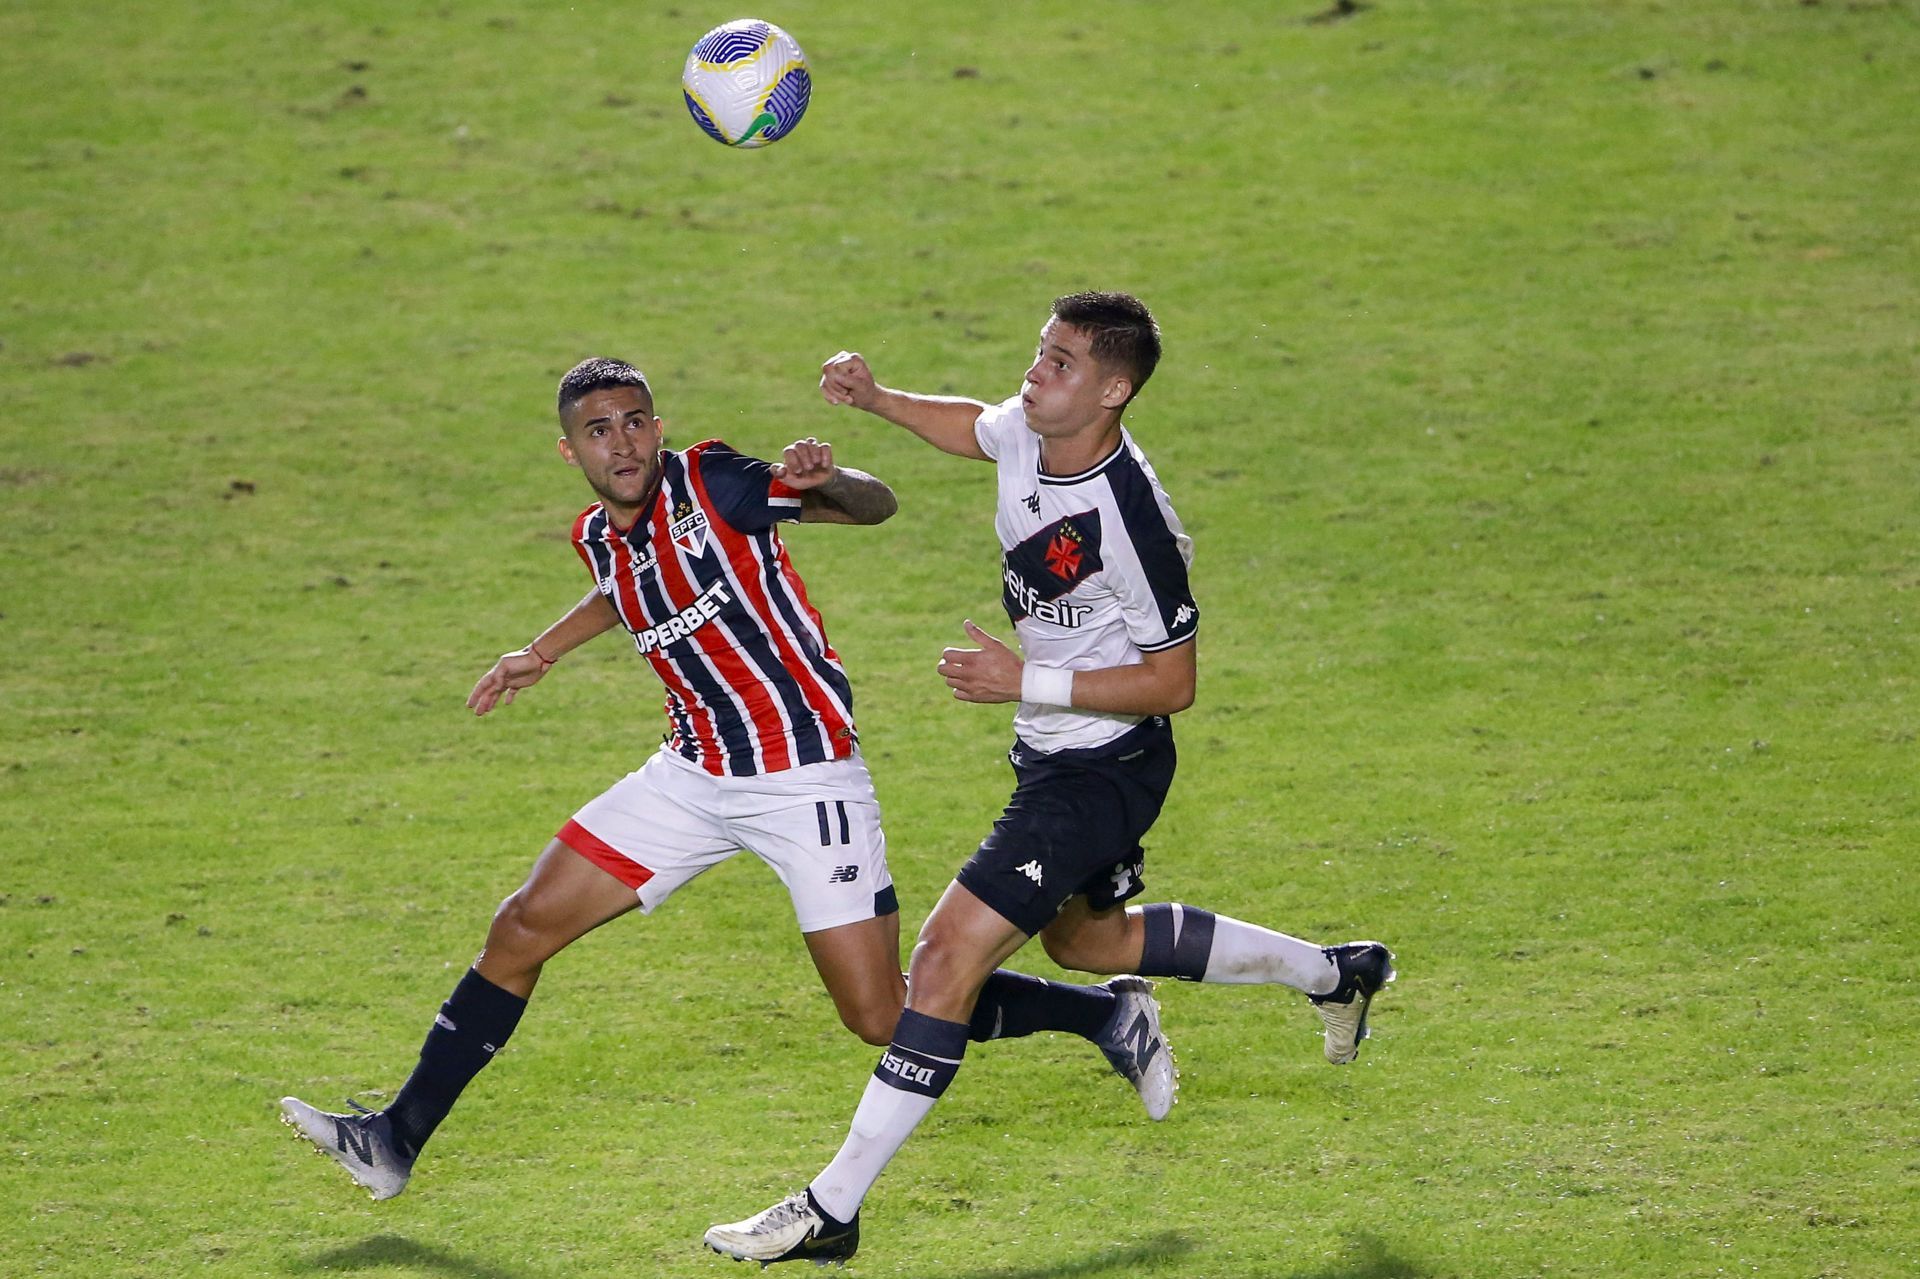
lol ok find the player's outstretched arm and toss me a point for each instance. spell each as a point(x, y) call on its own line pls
point(523, 667)
point(831, 494)
point(944, 421)
point(1162, 683)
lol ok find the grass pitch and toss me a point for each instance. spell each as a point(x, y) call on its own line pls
point(1540, 392)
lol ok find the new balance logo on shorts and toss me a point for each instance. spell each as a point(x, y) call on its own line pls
point(844, 875)
point(1031, 870)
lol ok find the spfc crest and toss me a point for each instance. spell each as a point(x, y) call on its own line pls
point(689, 529)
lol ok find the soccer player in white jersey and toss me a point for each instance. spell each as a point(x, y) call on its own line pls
point(1094, 568)
point(760, 753)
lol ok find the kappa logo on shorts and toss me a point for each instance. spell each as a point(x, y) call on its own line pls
point(1031, 870)
point(844, 875)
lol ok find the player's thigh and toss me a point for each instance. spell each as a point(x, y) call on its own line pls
point(859, 964)
point(962, 941)
point(564, 897)
point(1095, 939)
point(654, 830)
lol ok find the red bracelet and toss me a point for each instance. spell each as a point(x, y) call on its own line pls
point(544, 659)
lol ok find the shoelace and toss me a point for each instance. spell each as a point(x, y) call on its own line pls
point(786, 1212)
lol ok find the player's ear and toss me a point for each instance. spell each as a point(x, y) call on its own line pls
point(566, 451)
point(662, 424)
point(1119, 389)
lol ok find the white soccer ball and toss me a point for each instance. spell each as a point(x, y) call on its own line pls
point(747, 83)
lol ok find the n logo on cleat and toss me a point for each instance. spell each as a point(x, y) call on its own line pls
point(1140, 1039)
point(351, 1138)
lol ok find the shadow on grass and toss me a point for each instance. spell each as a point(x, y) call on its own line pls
point(1162, 1247)
point(1368, 1258)
point(394, 1250)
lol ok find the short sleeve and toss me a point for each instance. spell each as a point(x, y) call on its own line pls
point(742, 490)
point(1151, 582)
point(996, 428)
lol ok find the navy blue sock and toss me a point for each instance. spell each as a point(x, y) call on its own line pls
point(471, 1027)
point(924, 1056)
point(1179, 941)
point(1013, 1005)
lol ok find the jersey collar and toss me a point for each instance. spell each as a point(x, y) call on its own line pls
point(1124, 443)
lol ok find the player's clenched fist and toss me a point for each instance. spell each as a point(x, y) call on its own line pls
point(805, 464)
point(846, 379)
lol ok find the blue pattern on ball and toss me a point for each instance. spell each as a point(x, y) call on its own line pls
point(731, 44)
point(700, 118)
point(788, 102)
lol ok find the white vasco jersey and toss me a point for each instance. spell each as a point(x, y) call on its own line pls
point(1094, 568)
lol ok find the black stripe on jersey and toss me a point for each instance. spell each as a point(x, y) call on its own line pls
point(683, 727)
point(756, 646)
point(735, 731)
point(597, 547)
point(1158, 552)
point(797, 623)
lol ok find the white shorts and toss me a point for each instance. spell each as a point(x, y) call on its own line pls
point(817, 825)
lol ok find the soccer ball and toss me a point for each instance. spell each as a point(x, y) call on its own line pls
point(747, 83)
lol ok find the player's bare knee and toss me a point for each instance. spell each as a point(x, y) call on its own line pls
point(1068, 951)
point(516, 940)
point(873, 1023)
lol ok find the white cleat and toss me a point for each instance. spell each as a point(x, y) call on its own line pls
point(791, 1230)
point(1134, 1045)
point(361, 1143)
point(1365, 969)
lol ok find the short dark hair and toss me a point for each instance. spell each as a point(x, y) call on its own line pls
point(598, 374)
point(1122, 330)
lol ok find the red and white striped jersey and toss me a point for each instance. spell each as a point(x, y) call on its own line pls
point(705, 586)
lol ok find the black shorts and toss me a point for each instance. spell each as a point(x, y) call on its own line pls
point(1073, 826)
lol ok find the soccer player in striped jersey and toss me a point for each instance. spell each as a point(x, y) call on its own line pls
point(1094, 572)
point(760, 753)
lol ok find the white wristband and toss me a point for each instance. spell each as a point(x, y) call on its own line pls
point(1046, 685)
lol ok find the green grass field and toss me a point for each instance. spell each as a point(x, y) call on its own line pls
point(1541, 395)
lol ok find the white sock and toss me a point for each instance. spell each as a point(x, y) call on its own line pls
point(1247, 954)
point(882, 1122)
